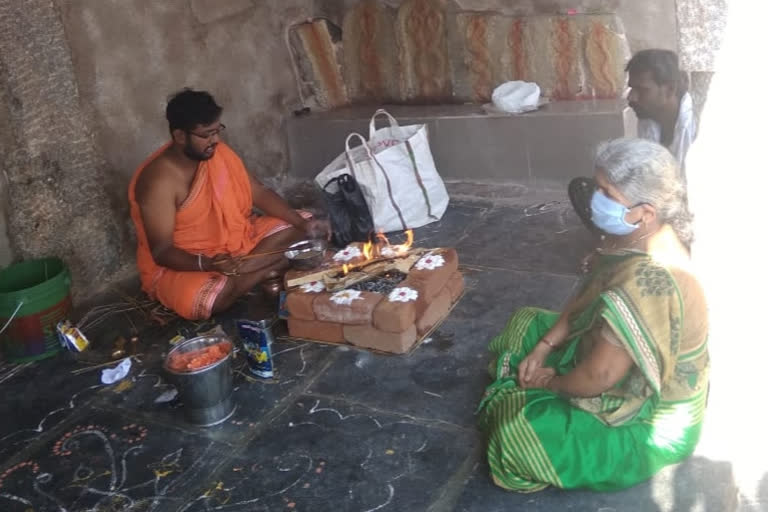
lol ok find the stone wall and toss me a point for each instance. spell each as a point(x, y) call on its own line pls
point(6, 141)
point(58, 203)
point(648, 23)
point(439, 51)
point(130, 55)
point(83, 89)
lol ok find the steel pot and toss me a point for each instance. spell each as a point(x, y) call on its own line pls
point(205, 392)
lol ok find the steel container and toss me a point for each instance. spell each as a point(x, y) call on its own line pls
point(309, 256)
point(205, 392)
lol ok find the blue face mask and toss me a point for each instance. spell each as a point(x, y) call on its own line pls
point(608, 215)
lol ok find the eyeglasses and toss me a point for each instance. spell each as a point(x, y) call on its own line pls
point(211, 134)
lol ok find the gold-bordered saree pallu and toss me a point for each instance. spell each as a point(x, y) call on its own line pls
point(650, 419)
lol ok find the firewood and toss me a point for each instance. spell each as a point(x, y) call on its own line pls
point(360, 271)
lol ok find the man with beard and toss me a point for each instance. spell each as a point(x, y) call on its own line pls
point(659, 96)
point(192, 204)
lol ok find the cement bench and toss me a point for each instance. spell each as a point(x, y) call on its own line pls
point(553, 144)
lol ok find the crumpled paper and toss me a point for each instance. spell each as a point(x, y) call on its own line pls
point(167, 396)
point(119, 372)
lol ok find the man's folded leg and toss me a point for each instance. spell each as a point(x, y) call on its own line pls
point(190, 294)
point(198, 295)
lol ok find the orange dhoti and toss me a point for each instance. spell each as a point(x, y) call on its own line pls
point(215, 218)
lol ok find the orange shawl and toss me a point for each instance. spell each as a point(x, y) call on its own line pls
point(214, 218)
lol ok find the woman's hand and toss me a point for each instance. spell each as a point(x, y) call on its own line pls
point(532, 363)
point(541, 378)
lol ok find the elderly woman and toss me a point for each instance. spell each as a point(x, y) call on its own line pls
point(614, 388)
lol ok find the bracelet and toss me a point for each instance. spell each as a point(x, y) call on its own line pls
point(548, 343)
point(200, 262)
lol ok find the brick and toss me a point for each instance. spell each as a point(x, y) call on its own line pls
point(353, 261)
point(314, 330)
point(436, 311)
point(359, 312)
point(394, 316)
point(367, 336)
point(430, 282)
point(299, 305)
point(455, 286)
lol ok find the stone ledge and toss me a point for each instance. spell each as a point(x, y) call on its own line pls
point(524, 143)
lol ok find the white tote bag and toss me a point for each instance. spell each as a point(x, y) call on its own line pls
point(396, 174)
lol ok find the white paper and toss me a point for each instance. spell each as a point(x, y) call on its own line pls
point(112, 375)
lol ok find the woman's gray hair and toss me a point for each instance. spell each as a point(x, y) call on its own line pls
point(647, 173)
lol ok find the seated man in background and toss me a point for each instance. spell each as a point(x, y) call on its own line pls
point(659, 96)
point(192, 204)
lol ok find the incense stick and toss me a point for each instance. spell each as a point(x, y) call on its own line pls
point(307, 245)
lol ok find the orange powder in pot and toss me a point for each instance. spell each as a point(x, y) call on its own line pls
point(200, 358)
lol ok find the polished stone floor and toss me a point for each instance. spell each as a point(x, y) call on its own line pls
point(338, 429)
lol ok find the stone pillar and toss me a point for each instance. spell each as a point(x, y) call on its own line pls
point(6, 254)
point(57, 201)
point(701, 24)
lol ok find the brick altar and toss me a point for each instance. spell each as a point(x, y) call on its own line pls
point(393, 322)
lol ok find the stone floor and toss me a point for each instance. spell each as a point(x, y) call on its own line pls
point(338, 429)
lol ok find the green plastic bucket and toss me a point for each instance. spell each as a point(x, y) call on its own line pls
point(34, 296)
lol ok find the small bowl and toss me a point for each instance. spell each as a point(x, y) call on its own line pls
point(309, 257)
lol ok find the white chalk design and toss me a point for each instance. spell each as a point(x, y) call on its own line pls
point(125, 486)
point(403, 294)
point(348, 254)
point(346, 297)
point(313, 287)
point(430, 262)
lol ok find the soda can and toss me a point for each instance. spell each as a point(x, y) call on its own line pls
point(257, 338)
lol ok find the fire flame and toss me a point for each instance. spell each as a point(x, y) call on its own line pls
point(368, 250)
point(371, 249)
point(409, 242)
point(403, 248)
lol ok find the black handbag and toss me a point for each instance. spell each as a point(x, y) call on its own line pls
point(351, 219)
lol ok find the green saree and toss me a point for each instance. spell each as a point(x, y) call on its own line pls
point(650, 419)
